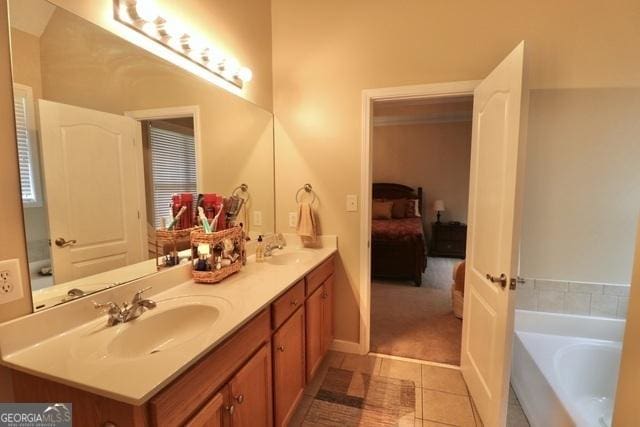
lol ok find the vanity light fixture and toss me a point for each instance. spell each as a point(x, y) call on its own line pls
point(141, 16)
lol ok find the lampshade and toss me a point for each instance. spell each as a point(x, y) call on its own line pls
point(438, 205)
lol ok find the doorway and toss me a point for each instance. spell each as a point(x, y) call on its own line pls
point(406, 93)
point(421, 149)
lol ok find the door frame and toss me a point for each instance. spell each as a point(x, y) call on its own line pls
point(435, 90)
point(177, 112)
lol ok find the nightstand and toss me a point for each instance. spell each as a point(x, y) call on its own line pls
point(448, 240)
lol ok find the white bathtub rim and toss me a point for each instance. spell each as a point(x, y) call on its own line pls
point(548, 371)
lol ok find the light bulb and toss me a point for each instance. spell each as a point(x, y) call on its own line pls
point(231, 66)
point(174, 29)
point(146, 10)
point(245, 74)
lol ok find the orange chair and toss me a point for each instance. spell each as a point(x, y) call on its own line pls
point(457, 289)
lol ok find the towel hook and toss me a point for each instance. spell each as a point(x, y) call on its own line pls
point(309, 190)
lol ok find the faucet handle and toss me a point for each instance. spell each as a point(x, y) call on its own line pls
point(138, 295)
point(107, 307)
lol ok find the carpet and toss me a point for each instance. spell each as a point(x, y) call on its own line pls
point(417, 322)
point(348, 398)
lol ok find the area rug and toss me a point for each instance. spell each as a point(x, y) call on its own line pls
point(417, 322)
point(348, 398)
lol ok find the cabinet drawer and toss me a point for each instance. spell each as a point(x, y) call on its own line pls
point(457, 234)
point(181, 399)
point(450, 246)
point(284, 306)
point(319, 275)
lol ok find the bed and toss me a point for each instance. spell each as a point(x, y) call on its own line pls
point(398, 247)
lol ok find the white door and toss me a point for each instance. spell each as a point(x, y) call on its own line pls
point(497, 155)
point(93, 173)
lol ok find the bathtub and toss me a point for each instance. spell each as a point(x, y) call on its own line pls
point(565, 368)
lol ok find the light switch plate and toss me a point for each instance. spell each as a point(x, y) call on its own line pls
point(10, 281)
point(257, 218)
point(293, 219)
point(352, 202)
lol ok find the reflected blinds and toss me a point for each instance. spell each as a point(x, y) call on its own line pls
point(173, 164)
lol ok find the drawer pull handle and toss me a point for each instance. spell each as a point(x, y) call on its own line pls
point(231, 409)
point(280, 348)
point(239, 398)
point(294, 303)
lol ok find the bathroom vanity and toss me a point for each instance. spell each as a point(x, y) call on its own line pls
point(245, 365)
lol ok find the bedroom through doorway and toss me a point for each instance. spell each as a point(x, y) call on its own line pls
point(421, 150)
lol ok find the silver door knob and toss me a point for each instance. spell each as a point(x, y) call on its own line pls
point(231, 409)
point(239, 398)
point(62, 243)
point(280, 348)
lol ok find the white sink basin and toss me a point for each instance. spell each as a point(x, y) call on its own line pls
point(172, 323)
point(152, 333)
point(288, 258)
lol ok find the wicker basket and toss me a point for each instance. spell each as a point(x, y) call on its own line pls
point(173, 239)
point(235, 235)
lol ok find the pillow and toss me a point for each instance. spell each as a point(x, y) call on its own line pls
point(381, 210)
point(399, 209)
point(413, 208)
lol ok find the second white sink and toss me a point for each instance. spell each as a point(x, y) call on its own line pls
point(288, 258)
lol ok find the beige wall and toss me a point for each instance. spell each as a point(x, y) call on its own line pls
point(327, 52)
point(434, 156)
point(582, 191)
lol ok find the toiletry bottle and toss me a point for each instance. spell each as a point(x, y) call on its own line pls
point(260, 250)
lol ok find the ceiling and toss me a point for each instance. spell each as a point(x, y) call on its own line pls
point(425, 110)
point(30, 16)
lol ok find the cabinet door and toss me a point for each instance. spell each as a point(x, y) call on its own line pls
point(250, 388)
point(313, 313)
point(213, 413)
point(288, 367)
point(327, 314)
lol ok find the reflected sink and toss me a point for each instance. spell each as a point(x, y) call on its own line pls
point(288, 258)
point(157, 332)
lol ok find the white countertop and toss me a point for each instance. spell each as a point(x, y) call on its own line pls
point(57, 356)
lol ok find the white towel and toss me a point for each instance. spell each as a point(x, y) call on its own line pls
point(307, 226)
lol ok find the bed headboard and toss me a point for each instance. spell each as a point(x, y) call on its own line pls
point(386, 190)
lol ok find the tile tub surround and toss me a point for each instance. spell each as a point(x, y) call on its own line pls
point(27, 345)
point(587, 299)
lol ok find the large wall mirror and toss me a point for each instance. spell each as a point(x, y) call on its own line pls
point(108, 134)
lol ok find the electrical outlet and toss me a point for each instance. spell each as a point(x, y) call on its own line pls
point(352, 203)
point(10, 281)
point(293, 219)
point(257, 218)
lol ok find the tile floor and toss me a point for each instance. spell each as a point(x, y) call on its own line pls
point(441, 394)
point(442, 398)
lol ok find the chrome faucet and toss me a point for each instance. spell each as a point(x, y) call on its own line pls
point(128, 311)
point(277, 242)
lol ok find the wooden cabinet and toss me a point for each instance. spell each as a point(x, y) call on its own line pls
point(181, 399)
point(254, 378)
point(327, 314)
point(313, 311)
point(448, 240)
point(213, 414)
point(288, 367)
point(250, 392)
point(319, 326)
